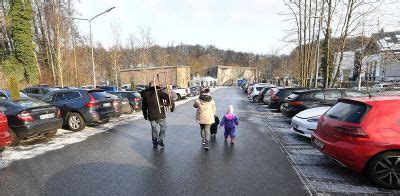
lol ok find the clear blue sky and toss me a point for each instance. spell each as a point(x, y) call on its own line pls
point(241, 25)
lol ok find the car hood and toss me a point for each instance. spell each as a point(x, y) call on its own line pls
point(313, 112)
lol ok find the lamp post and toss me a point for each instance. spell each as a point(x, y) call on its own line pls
point(91, 39)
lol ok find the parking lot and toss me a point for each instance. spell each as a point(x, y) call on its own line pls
point(318, 174)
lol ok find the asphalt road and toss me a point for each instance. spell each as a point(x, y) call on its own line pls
point(121, 161)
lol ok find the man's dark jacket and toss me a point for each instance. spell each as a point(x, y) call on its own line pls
point(150, 106)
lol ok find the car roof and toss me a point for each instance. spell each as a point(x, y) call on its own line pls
point(371, 99)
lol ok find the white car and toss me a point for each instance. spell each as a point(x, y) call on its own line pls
point(255, 92)
point(305, 122)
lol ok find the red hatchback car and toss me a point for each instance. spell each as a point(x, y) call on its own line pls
point(5, 137)
point(363, 134)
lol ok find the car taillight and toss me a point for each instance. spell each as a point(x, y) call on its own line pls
point(136, 99)
point(92, 102)
point(275, 98)
point(352, 131)
point(296, 103)
point(3, 117)
point(58, 113)
point(25, 116)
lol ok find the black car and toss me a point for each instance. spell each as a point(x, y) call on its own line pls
point(276, 100)
point(302, 100)
point(30, 118)
point(80, 107)
point(134, 98)
point(109, 88)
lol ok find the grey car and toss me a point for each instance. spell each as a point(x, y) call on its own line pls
point(38, 92)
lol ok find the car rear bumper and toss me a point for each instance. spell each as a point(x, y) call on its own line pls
point(5, 138)
point(350, 155)
point(98, 117)
point(125, 109)
point(37, 128)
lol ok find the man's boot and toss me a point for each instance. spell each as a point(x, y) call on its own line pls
point(155, 144)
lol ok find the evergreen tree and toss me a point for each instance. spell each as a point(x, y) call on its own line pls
point(21, 17)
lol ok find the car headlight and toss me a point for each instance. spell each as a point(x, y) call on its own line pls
point(313, 119)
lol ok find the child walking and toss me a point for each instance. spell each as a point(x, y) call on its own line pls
point(230, 121)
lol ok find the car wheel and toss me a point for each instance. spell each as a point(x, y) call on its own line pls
point(75, 122)
point(179, 97)
point(255, 98)
point(14, 138)
point(384, 170)
point(51, 133)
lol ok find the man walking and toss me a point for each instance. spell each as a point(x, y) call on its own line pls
point(151, 112)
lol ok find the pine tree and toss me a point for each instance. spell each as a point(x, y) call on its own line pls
point(21, 17)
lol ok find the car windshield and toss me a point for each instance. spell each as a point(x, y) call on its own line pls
point(351, 112)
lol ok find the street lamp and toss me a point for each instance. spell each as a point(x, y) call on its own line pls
point(91, 40)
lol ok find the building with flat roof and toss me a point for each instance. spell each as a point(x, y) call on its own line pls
point(177, 75)
point(227, 75)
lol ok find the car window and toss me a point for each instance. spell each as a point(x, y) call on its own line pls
point(27, 90)
point(34, 91)
point(48, 98)
point(333, 95)
point(259, 88)
point(29, 103)
point(72, 95)
point(100, 95)
point(60, 96)
point(3, 96)
point(43, 91)
point(348, 112)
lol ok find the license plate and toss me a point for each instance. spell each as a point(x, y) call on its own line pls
point(106, 104)
point(124, 103)
point(285, 105)
point(318, 143)
point(46, 116)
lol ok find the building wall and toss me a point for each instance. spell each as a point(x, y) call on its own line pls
point(142, 76)
point(230, 74)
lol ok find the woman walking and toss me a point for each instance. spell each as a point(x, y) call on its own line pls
point(206, 111)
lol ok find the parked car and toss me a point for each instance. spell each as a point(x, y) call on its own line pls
point(38, 92)
point(305, 122)
point(269, 94)
point(133, 97)
point(302, 100)
point(254, 92)
point(180, 92)
point(80, 107)
point(88, 87)
point(109, 88)
point(194, 90)
point(121, 105)
point(381, 87)
point(363, 134)
point(276, 100)
point(5, 137)
point(30, 118)
point(5, 94)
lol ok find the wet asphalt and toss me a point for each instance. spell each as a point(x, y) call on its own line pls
point(122, 161)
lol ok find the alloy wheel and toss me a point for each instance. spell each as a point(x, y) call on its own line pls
point(74, 122)
point(387, 170)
